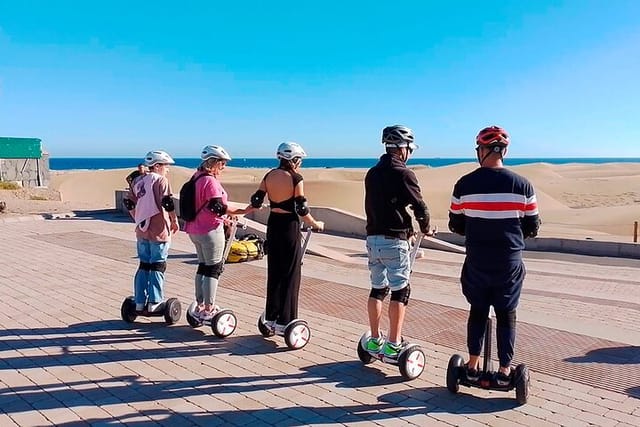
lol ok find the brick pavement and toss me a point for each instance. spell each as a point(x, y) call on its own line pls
point(67, 359)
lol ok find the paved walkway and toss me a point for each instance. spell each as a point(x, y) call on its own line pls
point(67, 359)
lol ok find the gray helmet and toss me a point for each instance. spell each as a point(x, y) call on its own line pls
point(398, 136)
point(214, 151)
point(157, 156)
point(290, 150)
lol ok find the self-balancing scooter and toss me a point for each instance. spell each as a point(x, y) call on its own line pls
point(411, 359)
point(457, 373)
point(224, 321)
point(297, 332)
point(170, 309)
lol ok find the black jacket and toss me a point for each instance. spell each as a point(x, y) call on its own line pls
point(389, 188)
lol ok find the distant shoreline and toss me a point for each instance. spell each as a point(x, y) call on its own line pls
point(107, 163)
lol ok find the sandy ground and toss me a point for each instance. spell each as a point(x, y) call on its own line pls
point(576, 200)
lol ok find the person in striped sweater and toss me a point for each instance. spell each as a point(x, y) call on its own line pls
point(495, 209)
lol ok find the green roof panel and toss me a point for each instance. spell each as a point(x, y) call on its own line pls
point(20, 148)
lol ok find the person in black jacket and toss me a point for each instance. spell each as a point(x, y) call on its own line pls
point(389, 188)
point(495, 209)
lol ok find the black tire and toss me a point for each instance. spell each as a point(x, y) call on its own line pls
point(297, 334)
point(193, 321)
point(454, 370)
point(522, 381)
point(128, 310)
point(264, 331)
point(412, 362)
point(172, 311)
point(363, 354)
point(224, 323)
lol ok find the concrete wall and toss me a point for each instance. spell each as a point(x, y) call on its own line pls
point(27, 172)
point(343, 223)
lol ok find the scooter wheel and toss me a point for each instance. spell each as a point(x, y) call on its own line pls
point(411, 362)
point(522, 382)
point(128, 310)
point(264, 331)
point(224, 323)
point(172, 311)
point(297, 334)
point(363, 354)
point(453, 373)
point(192, 320)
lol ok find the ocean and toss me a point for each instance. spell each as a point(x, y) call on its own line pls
point(96, 163)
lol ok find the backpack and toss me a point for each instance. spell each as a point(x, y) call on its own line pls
point(188, 210)
point(247, 248)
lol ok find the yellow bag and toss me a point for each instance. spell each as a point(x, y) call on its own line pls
point(247, 248)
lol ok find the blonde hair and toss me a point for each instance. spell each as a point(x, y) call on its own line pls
point(209, 164)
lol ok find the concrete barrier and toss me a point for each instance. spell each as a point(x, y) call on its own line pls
point(343, 223)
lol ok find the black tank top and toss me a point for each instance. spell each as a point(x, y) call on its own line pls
point(286, 205)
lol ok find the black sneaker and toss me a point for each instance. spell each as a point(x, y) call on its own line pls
point(503, 380)
point(472, 374)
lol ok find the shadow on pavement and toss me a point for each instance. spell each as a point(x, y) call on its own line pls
point(623, 355)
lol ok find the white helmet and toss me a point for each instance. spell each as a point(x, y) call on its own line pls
point(157, 156)
point(290, 150)
point(214, 151)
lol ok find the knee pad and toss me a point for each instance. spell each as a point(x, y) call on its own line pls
point(478, 315)
point(378, 294)
point(506, 319)
point(201, 269)
point(144, 266)
point(159, 266)
point(214, 271)
point(402, 295)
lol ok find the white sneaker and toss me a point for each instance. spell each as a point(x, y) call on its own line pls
point(270, 324)
point(154, 306)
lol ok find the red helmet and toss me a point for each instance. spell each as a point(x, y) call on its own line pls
point(493, 136)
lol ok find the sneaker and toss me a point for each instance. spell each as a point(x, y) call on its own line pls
point(503, 380)
point(374, 344)
point(205, 315)
point(279, 329)
point(270, 324)
point(139, 307)
point(391, 350)
point(154, 306)
point(472, 374)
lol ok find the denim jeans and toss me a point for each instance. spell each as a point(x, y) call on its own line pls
point(149, 284)
point(388, 262)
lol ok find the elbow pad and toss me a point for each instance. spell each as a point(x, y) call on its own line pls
point(167, 203)
point(216, 206)
point(257, 199)
point(301, 207)
point(129, 204)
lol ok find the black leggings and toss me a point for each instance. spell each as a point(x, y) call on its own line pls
point(283, 267)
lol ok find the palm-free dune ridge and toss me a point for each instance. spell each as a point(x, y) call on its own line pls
point(576, 200)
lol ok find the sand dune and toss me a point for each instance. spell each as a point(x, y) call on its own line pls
point(576, 200)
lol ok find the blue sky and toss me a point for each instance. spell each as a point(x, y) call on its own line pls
point(118, 78)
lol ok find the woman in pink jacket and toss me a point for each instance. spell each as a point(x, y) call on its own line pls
point(206, 231)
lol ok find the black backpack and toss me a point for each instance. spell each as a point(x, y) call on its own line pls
point(188, 210)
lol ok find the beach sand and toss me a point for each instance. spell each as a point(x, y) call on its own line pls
point(576, 200)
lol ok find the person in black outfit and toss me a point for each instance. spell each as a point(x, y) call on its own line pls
point(284, 188)
point(389, 188)
point(495, 209)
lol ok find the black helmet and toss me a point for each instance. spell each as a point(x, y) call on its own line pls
point(398, 136)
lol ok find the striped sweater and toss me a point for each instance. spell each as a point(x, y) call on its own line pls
point(495, 209)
